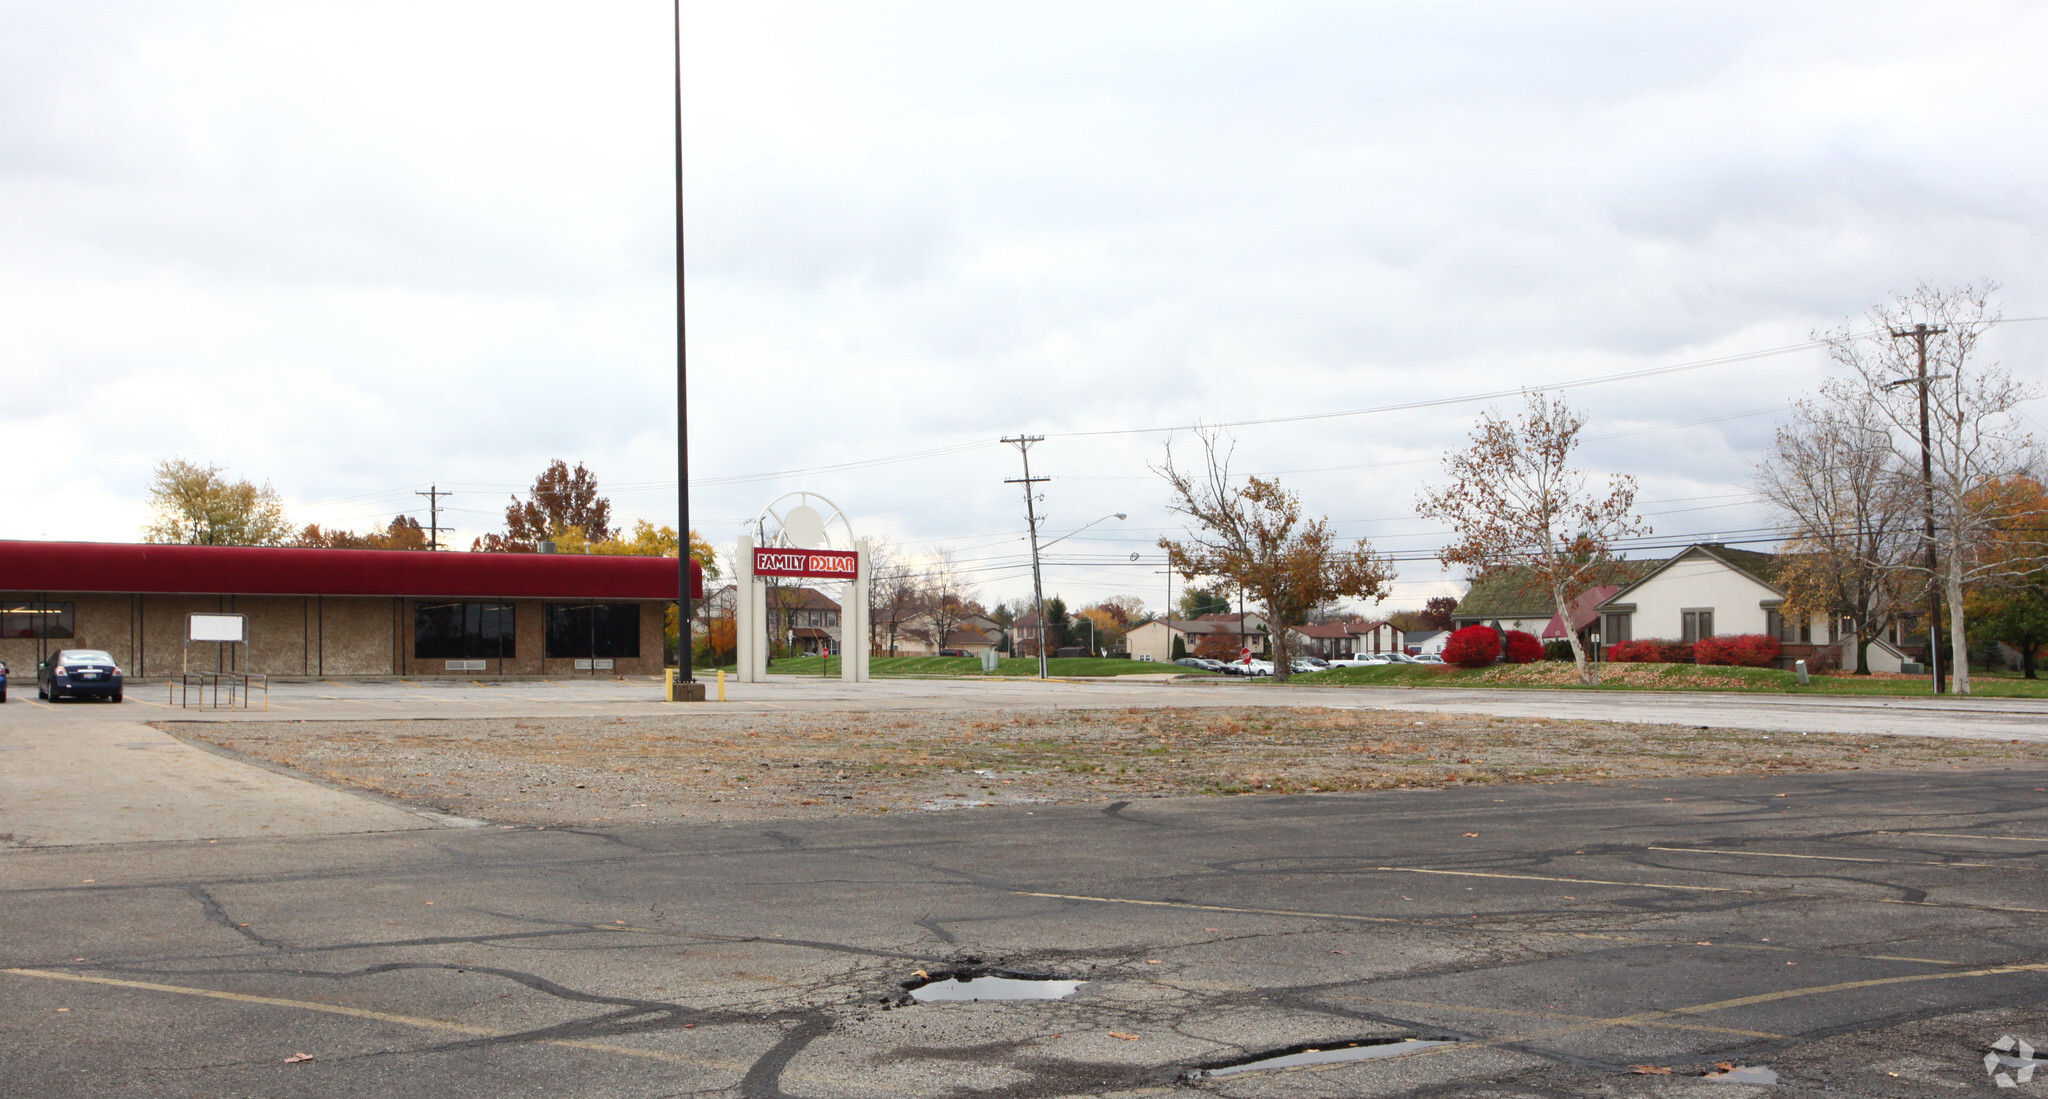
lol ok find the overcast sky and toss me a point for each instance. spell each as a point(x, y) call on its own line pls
point(355, 249)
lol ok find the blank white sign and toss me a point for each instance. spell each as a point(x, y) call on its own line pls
point(216, 627)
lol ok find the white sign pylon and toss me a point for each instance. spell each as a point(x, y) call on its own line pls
point(751, 598)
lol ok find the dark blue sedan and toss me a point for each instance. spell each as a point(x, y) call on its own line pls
point(79, 673)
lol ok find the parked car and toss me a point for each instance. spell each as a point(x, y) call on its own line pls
point(1199, 664)
point(1255, 668)
point(78, 673)
point(3, 681)
point(1305, 665)
point(952, 652)
point(1363, 660)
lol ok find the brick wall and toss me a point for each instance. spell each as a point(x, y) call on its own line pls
point(328, 636)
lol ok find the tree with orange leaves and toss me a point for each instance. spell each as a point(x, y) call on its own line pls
point(1516, 503)
point(1255, 534)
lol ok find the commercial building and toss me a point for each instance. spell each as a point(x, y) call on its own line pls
point(332, 613)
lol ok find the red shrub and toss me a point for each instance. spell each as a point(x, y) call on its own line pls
point(1746, 650)
point(1473, 647)
point(1523, 648)
point(1650, 650)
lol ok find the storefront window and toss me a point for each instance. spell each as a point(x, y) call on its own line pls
point(463, 631)
point(584, 631)
point(31, 619)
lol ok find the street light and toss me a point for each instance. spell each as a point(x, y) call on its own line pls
point(1039, 588)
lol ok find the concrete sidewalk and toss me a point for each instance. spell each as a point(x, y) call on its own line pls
point(84, 773)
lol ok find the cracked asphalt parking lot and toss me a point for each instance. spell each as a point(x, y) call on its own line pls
point(1863, 933)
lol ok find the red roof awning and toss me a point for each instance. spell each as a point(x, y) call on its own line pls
point(266, 570)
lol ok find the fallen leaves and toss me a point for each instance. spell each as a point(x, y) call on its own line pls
point(1650, 1070)
point(1123, 1036)
point(297, 1057)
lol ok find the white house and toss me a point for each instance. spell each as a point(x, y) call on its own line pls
point(1712, 590)
point(1427, 642)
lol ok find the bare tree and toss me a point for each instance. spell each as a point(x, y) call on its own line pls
point(885, 581)
point(1254, 534)
point(1973, 436)
point(1515, 502)
point(1834, 476)
point(946, 596)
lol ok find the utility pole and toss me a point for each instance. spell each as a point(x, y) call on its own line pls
point(1023, 445)
point(1918, 334)
point(434, 528)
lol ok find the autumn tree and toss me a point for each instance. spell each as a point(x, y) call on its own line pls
point(1974, 432)
point(1436, 614)
point(1198, 601)
point(1408, 621)
point(1254, 534)
point(196, 505)
point(2012, 605)
point(560, 498)
point(403, 533)
point(1515, 502)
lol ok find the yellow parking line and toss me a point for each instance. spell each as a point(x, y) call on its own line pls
point(1968, 836)
point(365, 1013)
point(1439, 922)
point(1650, 1018)
point(1842, 858)
point(1553, 1015)
point(1575, 881)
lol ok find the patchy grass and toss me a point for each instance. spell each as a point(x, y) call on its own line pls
point(566, 770)
point(971, 666)
point(1662, 677)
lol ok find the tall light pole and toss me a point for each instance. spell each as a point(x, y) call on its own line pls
point(683, 607)
point(1918, 334)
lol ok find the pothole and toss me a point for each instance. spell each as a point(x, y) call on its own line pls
point(1364, 1049)
point(968, 985)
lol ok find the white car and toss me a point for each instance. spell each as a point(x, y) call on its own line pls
point(1369, 660)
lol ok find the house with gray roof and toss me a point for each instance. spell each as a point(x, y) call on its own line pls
point(1713, 590)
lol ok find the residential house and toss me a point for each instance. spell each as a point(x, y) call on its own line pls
point(1511, 599)
point(1426, 642)
point(915, 634)
point(1585, 618)
point(806, 615)
point(1220, 634)
point(1341, 640)
point(1713, 590)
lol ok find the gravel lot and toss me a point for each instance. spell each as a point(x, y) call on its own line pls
point(562, 771)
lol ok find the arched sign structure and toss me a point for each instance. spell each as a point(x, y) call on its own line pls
point(802, 536)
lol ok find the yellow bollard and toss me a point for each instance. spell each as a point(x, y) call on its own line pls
point(671, 684)
point(721, 684)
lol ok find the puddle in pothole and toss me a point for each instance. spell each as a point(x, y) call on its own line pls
point(968, 988)
point(1333, 1053)
point(1745, 1074)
